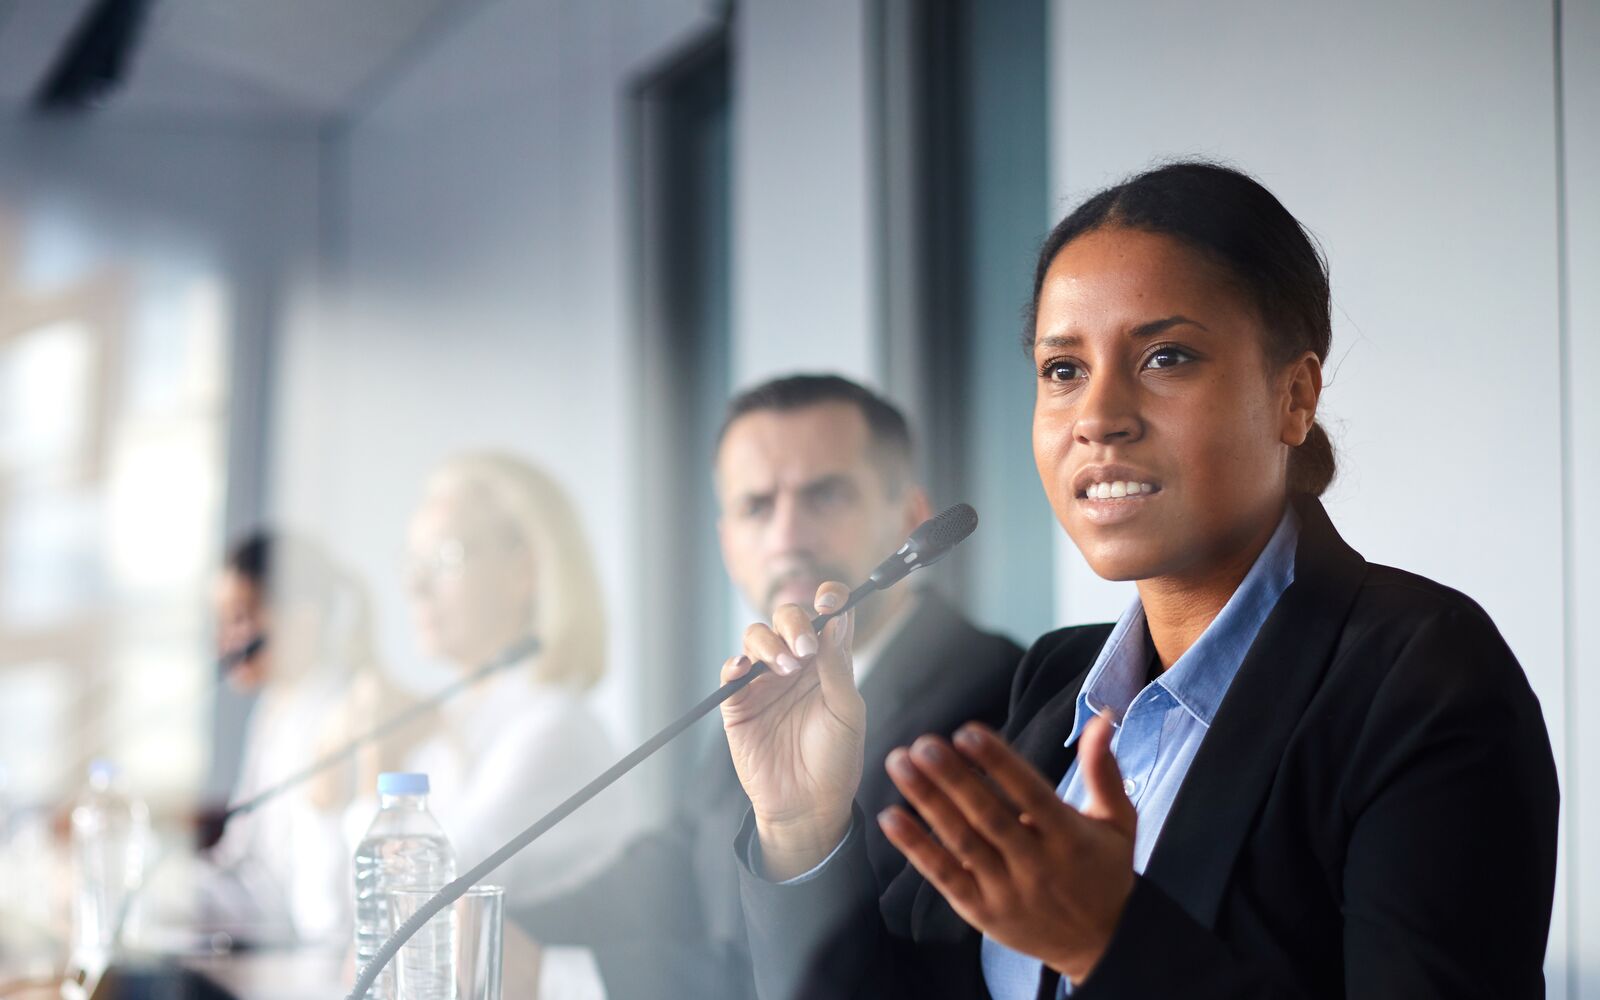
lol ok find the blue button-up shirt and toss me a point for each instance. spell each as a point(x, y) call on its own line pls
point(1159, 725)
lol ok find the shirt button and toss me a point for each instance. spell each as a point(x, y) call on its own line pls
point(1129, 786)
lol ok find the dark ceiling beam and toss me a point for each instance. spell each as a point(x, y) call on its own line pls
point(95, 59)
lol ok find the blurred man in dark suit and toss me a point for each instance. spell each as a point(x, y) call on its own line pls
point(815, 480)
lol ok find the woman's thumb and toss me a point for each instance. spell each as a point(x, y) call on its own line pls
point(1108, 800)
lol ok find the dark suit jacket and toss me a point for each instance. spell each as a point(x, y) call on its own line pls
point(1372, 814)
point(665, 920)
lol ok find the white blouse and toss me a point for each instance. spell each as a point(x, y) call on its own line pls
point(504, 756)
point(288, 854)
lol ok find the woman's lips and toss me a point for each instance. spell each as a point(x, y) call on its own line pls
point(1108, 478)
point(1116, 489)
point(1102, 506)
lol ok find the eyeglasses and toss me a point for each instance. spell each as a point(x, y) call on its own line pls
point(446, 562)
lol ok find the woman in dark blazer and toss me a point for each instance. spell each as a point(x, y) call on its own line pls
point(1285, 772)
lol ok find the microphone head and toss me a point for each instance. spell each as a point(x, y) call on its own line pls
point(943, 532)
point(932, 541)
point(241, 655)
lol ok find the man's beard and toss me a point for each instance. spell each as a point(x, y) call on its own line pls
point(813, 574)
point(816, 573)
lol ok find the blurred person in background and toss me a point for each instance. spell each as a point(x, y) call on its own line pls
point(495, 556)
point(293, 626)
point(815, 480)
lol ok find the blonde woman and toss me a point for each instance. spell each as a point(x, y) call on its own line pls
point(495, 556)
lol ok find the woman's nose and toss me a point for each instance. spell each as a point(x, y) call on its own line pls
point(1108, 412)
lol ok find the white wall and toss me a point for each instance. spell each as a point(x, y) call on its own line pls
point(1418, 141)
point(806, 264)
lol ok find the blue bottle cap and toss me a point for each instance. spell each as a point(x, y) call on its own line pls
point(402, 783)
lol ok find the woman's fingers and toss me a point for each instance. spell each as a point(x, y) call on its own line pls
point(912, 772)
point(830, 649)
point(792, 623)
point(742, 703)
point(835, 663)
point(988, 812)
point(1010, 772)
point(953, 880)
point(735, 667)
point(790, 641)
point(830, 596)
point(838, 632)
point(764, 644)
point(1103, 779)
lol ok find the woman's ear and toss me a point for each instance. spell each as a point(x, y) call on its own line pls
point(1304, 389)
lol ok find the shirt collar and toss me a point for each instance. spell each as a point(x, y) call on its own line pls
point(1200, 678)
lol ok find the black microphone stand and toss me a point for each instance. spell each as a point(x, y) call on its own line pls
point(517, 652)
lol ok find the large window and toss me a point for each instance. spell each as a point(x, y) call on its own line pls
point(112, 418)
point(964, 188)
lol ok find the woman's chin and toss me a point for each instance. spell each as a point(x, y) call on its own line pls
point(1122, 561)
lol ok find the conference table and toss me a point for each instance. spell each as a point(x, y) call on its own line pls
point(280, 974)
point(299, 974)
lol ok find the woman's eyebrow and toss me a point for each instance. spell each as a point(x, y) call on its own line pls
point(1156, 326)
point(1143, 330)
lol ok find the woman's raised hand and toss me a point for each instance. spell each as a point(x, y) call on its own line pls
point(797, 733)
point(1016, 862)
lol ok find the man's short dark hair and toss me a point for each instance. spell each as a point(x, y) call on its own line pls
point(889, 434)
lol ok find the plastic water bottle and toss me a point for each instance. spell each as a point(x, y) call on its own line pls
point(110, 834)
point(404, 848)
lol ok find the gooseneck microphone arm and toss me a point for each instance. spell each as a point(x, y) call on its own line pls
point(928, 544)
point(517, 652)
point(513, 654)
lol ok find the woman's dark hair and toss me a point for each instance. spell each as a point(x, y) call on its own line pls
point(293, 569)
point(1228, 216)
point(286, 565)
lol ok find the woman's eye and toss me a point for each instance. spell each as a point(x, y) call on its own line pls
point(1060, 371)
point(1167, 357)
